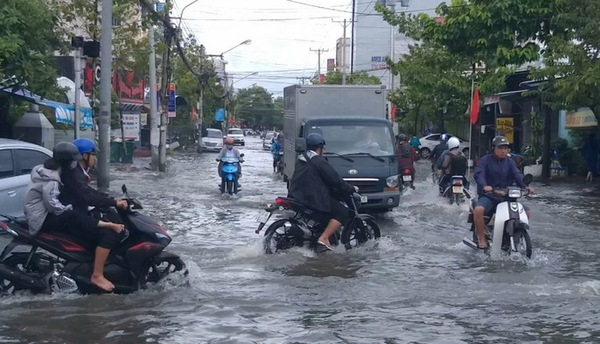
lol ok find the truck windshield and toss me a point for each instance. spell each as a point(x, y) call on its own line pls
point(214, 134)
point(372, 138)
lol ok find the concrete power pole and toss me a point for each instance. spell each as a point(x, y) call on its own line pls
point(319, 52)
point(162, 147)
point(105, 92)
point(154, 134)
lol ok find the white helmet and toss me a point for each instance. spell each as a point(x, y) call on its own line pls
point(453, 142)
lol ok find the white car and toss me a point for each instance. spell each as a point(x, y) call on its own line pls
point(213, 141)
point(428, 143)
point(17, 159)
point(237, 135)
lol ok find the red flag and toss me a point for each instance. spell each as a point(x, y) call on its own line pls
point(475, 106)
point(393, 113)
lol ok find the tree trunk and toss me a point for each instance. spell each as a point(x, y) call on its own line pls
point(5, 121)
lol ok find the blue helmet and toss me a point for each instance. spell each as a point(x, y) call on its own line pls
point(85, 146)
point(314, 140)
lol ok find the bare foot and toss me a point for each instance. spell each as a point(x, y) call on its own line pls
point(483, 245)
point(102, 283)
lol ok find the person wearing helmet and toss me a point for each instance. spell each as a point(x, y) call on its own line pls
point(317, 185)
point(44, 210)
point(454, 164)
point(438, 151)
point(495, 170)
point(277, 151)
point(229, 151)
point(407, 155)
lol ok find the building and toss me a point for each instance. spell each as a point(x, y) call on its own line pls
point(373, 41)
point(342, 55)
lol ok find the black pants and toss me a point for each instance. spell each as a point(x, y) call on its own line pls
point(82, 227)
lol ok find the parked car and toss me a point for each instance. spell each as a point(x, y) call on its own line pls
point(429, 142)
point(237, 135)
point(17, 159)
point(213, 141)
point(268, 140)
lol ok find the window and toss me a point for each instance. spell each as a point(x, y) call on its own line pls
point(355, 138)
point(214, 134)
point(27, 159)
point(236, 132)
point(6, 164)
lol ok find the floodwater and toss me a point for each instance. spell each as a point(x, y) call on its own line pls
point(417, 284)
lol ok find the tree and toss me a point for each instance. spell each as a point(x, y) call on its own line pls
point(359, 78)
point(256, 107)
point(29, 36)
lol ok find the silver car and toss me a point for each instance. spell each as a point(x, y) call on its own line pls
point(213, 141)
point(17, 159)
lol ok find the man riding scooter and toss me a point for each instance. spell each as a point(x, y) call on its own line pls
point(455, 164)
point(407, 155)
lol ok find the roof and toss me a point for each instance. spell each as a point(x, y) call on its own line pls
point(22, 144)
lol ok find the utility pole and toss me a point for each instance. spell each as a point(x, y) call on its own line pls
point(319, 52)
point(352, 37)
point(200, 102)
point(166, 76)
point(303, 79)
point(105, 92)
point(343, 64)
point(77, 66)
point(154, 133)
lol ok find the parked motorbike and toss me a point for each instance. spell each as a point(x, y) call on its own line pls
point(456, 192)
point(230, 174)
point(279, 167)
point(407, 179)
point(305, 226)
point(57, 262)
point(509, 229)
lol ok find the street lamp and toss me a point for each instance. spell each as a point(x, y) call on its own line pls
point(246, 42)
point(183, 10)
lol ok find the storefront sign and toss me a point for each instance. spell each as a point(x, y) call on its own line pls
point(582, 118)
point(131, 126)
point(505, 127)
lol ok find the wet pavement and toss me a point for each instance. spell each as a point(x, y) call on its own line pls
point(417, 284)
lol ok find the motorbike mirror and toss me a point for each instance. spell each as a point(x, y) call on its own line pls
point(300, 145)
point(242, 155)
point(124, 189)
point(528, 179)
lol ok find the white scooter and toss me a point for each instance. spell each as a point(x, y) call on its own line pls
point(510, 230)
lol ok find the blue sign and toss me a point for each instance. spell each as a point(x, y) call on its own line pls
point(220, 115)
point(171, 110)
point(160, 6)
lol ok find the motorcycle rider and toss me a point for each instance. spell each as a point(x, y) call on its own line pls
point(455, 164)
point(276, 149)
point(229, 151)
point(438, 150)
point(319, 187)
point(76, 194)
point(495, 170)
point(407, 155)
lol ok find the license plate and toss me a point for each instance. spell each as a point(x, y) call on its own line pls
point(262, 217)
point(363, 199)
point(457, 189)
point(407, 178)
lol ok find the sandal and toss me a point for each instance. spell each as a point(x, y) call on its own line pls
point(324, 245)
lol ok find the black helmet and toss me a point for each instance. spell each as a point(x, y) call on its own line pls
point(314, 141)
point(66, 152)
point(402, 137)
point(500, 141)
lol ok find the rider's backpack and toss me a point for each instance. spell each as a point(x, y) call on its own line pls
point(405, 150)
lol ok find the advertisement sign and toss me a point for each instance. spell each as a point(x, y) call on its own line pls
point(171, 110)
point(330, 65)
point(220, 115)
point(505, 127)
point(131, 126)
point(582, 118)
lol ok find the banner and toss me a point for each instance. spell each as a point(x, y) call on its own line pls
point(505, 127)
point(474, 115)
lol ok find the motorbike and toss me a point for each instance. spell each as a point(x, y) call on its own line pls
point(456, 191)
point(57, 262)
point(407, 179)
point(229, 174)
point(279, 168)
point(507, 226)
point(305, 226)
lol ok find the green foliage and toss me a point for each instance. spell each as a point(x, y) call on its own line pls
point(569, 157)
point(256, 107)
point(533, 151)
point(359, 78)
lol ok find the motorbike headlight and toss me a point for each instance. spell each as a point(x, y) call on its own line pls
point(514, 193)
point(392, 181)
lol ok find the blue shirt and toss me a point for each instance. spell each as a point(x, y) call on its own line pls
point(276, 147)
point(497, 173)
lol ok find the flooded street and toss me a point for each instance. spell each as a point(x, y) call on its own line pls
point(418, 284)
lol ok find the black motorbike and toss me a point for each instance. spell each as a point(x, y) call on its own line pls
point(279, 167)
point(56, 262)
point(305, 226)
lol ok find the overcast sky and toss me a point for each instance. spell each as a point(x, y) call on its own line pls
point(283, 32)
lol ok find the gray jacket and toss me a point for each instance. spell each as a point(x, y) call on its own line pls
point(42, 197)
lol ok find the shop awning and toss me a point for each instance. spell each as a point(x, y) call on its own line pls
point(582, 118)
point(64, 113)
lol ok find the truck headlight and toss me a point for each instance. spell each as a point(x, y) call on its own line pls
point(392, 181)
